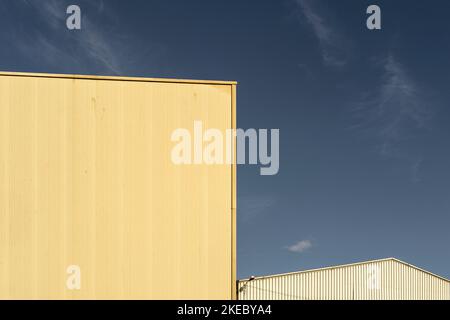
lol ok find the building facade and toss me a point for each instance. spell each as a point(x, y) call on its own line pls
point(91, 204)
point(386, 279)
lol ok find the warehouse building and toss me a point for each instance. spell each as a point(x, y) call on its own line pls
point(92, 205)
point(385, 279)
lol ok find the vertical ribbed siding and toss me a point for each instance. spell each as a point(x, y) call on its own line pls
point(81, 183)
point(388, 279)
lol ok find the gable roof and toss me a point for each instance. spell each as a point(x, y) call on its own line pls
point(350, 265)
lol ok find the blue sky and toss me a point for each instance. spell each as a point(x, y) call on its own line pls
point(363, 115)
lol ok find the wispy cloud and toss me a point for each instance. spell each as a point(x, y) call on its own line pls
point(91, 41)
point(300, 246)
point(399, 103)
point(100, 46)
point(395, 114)
point(415, 170)
point(251, 207)
point(53, 11)
point(331, 42)
point(45, 51)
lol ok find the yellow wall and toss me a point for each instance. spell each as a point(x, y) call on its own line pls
point(86, 179)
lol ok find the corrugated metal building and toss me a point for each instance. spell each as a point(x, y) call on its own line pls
point(385, 279)
point(92, 205)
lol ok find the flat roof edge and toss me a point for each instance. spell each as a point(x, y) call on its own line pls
point(114, 78)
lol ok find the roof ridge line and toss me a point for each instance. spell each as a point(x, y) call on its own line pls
point(349, 265)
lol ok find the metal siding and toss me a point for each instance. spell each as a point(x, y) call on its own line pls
point(86, 179)
point(233, 194)
point(387, 279)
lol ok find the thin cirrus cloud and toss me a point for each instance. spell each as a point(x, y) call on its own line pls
point(90, 43)
point(399, 105)
point(395, 114)
point(332, 43)
point(253, 206)
point(300, 247)
point(97, 46)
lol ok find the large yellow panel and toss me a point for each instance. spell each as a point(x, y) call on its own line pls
point(86, 179)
